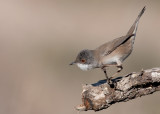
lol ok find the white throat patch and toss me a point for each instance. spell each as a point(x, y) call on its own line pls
point(84, 66)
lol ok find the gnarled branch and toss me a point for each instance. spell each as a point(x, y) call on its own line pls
point(100, 95)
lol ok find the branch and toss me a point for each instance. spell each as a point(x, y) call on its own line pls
point(100, 95)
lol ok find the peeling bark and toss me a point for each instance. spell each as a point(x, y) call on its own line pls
point(100, 95)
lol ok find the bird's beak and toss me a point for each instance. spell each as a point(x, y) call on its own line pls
point(72, 63)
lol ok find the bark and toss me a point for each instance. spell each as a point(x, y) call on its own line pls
point(101, 95)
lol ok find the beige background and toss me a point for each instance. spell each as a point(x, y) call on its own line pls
point(38, 40)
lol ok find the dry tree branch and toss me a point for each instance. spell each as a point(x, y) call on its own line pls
point(100, 95)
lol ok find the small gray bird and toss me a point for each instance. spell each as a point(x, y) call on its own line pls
point(112, 53)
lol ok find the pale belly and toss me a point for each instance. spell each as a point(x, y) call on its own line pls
point(113, 60)
point(110, 60)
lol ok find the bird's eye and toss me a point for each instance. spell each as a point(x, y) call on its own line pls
point(83, 61)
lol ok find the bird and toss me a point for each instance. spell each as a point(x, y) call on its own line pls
point(112, 53)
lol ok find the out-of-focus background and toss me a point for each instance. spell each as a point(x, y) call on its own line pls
point(39, 38)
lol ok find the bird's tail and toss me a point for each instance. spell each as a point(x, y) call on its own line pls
point(134, 27)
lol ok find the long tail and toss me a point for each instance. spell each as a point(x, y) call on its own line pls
point(134, 27)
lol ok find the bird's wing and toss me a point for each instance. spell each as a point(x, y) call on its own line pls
point(110, 46)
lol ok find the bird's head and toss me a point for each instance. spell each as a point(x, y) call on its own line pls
point(84, 60)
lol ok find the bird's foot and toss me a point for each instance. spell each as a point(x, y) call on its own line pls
point(110, 82)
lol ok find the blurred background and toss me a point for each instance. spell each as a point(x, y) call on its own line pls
point(39, 38)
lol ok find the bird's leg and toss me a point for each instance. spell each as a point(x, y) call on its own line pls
point(105, 72)
point(107, 78)
point(119, 66)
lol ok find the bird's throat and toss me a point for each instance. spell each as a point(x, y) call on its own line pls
point(84, 67)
